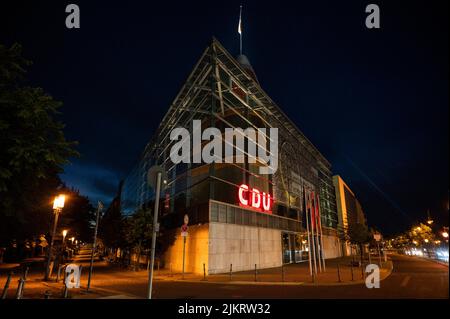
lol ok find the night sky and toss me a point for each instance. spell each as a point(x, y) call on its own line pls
point(374, 102)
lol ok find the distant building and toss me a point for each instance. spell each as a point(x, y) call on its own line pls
point(349, 210)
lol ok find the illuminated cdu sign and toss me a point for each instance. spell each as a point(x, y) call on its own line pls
point(255, 199)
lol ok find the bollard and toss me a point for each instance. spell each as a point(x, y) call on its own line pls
point(339, 273)
point(25, 275)
point(282, 272)
point(5, 289)
point(255, 272)
point(47, 294)
point(59, 273)
point(204, 272)
point(159, 262)
point(231, 271)
point(362, 271)
point(19, 291)
point(65, 292)
point(351, 268)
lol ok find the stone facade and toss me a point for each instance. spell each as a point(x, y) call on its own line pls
point(242, 246)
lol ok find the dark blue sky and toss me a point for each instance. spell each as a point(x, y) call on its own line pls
point(374, 102)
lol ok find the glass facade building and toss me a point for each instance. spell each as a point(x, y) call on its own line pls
point(224, 92)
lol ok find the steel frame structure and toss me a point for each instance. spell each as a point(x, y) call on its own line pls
point(218, 87)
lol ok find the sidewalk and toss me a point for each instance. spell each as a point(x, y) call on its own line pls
point(292, 274)
point(107, 276)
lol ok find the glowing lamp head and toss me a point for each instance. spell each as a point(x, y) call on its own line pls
point(64, 232)
point(58, 203)
point(445, 234)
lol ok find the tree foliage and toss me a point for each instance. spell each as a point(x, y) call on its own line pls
point(359, 234)
point(33, 149)
point(420, 234)
point(78, 215)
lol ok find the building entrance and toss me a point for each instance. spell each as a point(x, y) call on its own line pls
point(294, 247)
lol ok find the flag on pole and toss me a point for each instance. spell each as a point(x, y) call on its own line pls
point(240, 22)
point(313, 211)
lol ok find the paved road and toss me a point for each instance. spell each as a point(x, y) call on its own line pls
point(411, 278)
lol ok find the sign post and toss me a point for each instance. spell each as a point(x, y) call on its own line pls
point(377, 237)
point(184, 233)
point(91, 266)
point(154, 177)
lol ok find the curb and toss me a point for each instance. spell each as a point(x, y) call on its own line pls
point(443, 263)
point(276, 283)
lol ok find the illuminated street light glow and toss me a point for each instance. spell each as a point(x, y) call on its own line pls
point(58, 202)
point(445, 234)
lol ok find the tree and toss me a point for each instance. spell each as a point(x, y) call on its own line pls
point(111, 226)
point(421, 235)
point(33, 151)
point(78, 215)
point(359, 234)
point(138, 231)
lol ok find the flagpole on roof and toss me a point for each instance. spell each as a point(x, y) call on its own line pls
point(240, 30)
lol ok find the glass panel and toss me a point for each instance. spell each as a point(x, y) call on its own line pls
point(286, 248)
point(214, 212)
point(230, 215)
point(222, 214)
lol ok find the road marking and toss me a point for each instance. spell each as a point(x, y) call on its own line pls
point(405, 281)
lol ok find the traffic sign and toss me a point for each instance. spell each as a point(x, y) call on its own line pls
point(377, 236)
point(184, 230)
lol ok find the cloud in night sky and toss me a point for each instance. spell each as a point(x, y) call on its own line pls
point(98, 182)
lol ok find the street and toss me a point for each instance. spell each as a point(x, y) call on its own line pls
point(411, 278)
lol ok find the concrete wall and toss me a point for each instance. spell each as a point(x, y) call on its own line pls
point(332, 247)
point(242, 246)
point(196, 251)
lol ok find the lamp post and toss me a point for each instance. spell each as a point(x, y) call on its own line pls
point(91, 265)
point(155, 176)
point(64, 233)
point(58, 205)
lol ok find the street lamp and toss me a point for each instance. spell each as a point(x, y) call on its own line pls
point(444, 234)
point(58, 205)
point(64, 233)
